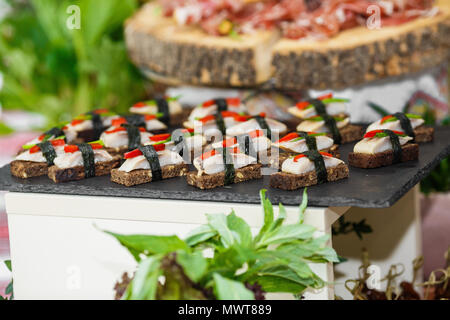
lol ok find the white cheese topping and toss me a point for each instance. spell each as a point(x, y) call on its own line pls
point(259, 143)
point(174, 108)
point(252, 125)
point(166, 157)
point(304, 165)
point(154, 125)
point(319, 126)
point(323, 142)
point(393, 125)
point(214, 164)
point(75, 159)
point(120, 138)
point(377, 145)
point(37, 156)
point(333, 109)
point(201, 112)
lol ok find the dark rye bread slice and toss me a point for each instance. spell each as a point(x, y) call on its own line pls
point(77, 173)
point(410, 151)
point(424, 134)
point(282, 156)
point(360, 55)
point(212, 181)
point(183, 54)
point(141, 176)
point(350, 133)
point(28, 169)
point(289, 181)
point(175, 55)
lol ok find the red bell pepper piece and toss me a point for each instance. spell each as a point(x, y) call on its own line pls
point(136, 152)
point(76, 121)
point(234, 102)
point(149, 117)
point(288, 137)
point(119, 129)
point(373, 133)
point(304, 104)
point(302, 156)
point(117, 122)
point(384, 119)
point(139, 105)
point(160, 137)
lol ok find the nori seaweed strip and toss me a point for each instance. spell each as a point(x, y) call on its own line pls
point(405, 123)
point(134, 136)
point(310, 141)
point(151, 155)
point(320, 107)
point(55, 132)
point(319, 164)
point(221, 104)
point(137, 120)
point(163, 107)
point(220, 123)
point(229, 167)
point(47, 151)
point(330, 122)
point(264, 126)
point(97, 124)
point(88, 159)
point(396, 146)
point(246, 145)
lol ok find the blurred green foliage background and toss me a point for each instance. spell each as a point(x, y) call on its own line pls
point(58, 72)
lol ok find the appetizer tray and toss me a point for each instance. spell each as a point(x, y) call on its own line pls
point(367, 188)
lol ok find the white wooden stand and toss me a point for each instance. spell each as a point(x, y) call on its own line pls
point(59, 252)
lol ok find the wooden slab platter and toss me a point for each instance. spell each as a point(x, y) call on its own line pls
point(186, 55)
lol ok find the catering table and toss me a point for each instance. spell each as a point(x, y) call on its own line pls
point(58, 250)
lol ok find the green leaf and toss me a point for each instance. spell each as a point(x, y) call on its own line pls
point(148, 245)
point(8, 264)
point(218, 222)
point(226, 289)
point(9, 288)
point(194, 264)
point(286, 234)
point(199, 235)
point(303, 206)
point(378, 109)
point(268, 214)
point(240, 228)
point(145, 281)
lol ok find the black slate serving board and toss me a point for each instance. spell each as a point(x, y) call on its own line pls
point(367, 188)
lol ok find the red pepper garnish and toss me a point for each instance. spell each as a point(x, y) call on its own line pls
point(55, 143)
point(149, 117)
point(135, 153)
point(119, 129)
point(207, 118)
point(65, 128)
point(160, 137)
point(302, 156)
point(208, 103)
point(326, 96)
point(228, 114)
point(302, 105)
point(76, 121)
point(288, 137)
point(234, 102)
point(41, 137)
point(118, 121)
point(373, 133)
point(74, 148)
point(188, 130)
point(384, 119)
point(139, 105)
